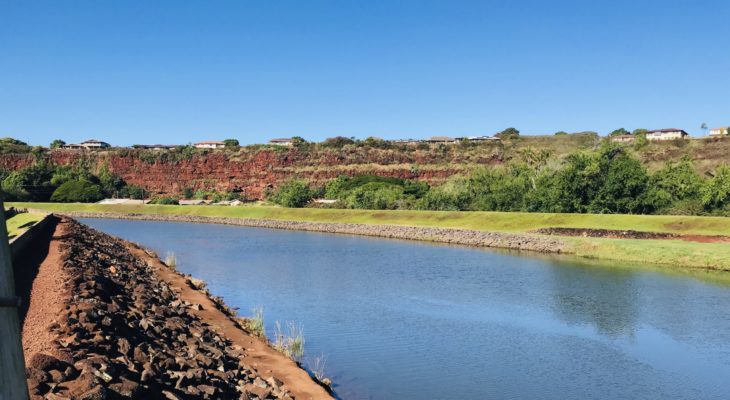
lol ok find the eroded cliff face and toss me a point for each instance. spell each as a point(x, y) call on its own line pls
point(253, 171)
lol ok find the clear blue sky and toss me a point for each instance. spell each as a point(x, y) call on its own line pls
point(183, 71)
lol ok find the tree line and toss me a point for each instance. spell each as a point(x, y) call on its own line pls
point(608, 180)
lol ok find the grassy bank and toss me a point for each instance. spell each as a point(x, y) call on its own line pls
point(486, 221)
point(19, 223)
point(678, 253)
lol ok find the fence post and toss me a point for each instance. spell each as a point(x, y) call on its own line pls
point(12, 364)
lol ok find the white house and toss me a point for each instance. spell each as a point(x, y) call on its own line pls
point(479, 138)
point(282, 142)
point(666, 134)
point(209, 145)
point(722, 131)
point(88, 144)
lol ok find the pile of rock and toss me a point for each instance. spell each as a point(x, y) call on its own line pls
point(126, 334)
point(467, 237)
point(606, 233)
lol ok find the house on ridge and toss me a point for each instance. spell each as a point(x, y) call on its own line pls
point(666, 134)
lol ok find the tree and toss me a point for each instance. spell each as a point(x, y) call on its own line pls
point(623, 186)
point(536, 160)
point(619, 132)
point(9, 140)
point(57, 144)
point(561, 133)
point(337, 141)
point(509, 133)
point(716, 192)
point(77, 191)
point(110, 183)
point(640, 131)
point(703, 127)
point(187, 193)
point(231, 143)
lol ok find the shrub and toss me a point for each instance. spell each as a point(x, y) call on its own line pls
point(255, 324)
point(77, 191)
point(133, 192)
point(171, 260)
point(291, 343)
point(292, 193)
point(165, 201)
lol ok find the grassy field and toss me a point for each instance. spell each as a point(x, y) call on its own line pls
point(680, 254)
point(20, 222)
point(487, 221)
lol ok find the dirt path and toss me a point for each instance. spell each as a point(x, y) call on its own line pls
point(267, 361)
point(44, 297)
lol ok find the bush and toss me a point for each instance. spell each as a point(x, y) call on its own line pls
point(292, 193)
point(165, 201)
point(133, 192)
point(451, 196)
point(77, 191)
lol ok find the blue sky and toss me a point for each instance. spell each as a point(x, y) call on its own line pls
point(183, 71)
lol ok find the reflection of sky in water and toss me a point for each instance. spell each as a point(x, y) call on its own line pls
point(400, 319)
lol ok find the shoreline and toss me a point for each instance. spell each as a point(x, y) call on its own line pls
point(700, 242)
point(131, 327)
point(467, 237)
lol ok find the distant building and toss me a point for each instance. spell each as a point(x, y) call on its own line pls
point(155, 146)
point(209, 145)
point(623, 138)
point(722, 131)
point(478, 138)
point(90, 144)
point(406, 141)
point(441, 139)
point(282, 142)
point(666, 134)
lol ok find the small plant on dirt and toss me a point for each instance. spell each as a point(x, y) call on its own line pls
point(291, 343)
point(170, 260)
point(317, 366)
point(255, 324)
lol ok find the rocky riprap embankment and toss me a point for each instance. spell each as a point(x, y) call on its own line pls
point(126, 334)
point(467, 237)
point(606, 233)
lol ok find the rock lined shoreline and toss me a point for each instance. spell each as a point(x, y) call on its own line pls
point(126, 333)
point(542, 244)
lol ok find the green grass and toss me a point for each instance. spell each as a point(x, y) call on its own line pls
point(487, 221)
point(677, 253)
point(19, 223)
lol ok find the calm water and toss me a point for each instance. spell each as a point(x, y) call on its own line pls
point(409, 320)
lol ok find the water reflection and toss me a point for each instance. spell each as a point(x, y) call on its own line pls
point(606, 299)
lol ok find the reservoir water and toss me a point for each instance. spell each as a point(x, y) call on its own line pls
point(410, 320)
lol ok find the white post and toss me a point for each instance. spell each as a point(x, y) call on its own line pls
point(12, 364)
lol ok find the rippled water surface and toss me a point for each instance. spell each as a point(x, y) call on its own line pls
point(410, 320)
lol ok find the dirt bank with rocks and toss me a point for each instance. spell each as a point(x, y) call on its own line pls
point(467, 237)
point(130, 328)
point(629, 234)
